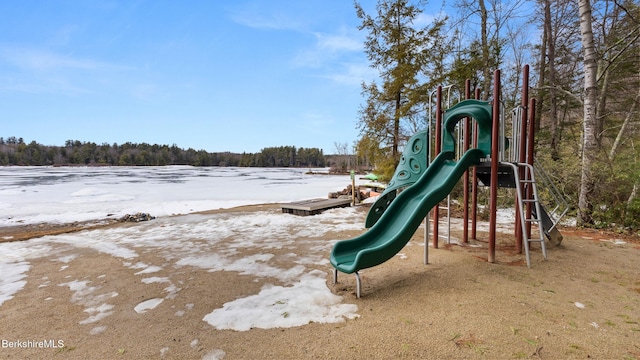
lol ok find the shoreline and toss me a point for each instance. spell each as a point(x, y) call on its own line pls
point(31, 231)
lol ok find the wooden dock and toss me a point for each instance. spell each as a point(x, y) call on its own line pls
point(313, 206)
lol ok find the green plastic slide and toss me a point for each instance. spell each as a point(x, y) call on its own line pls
point(404, 214)
point(399, 222)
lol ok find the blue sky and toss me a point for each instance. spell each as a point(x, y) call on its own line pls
point(215, 75)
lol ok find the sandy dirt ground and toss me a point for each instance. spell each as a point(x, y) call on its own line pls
point(583, 302)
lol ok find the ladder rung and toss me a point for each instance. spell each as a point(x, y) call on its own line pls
point(531, 220)
point(527, 181)
point(529, 200)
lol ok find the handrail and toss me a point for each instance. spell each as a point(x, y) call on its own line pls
point(559, 199)
point(516, 129)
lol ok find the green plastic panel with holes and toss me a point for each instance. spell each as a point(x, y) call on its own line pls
point(412, 164)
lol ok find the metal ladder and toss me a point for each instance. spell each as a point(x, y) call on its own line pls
point(521, 186)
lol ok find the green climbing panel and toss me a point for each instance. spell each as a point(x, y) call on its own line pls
point(412, 164)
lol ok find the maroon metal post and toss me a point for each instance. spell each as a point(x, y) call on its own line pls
point(438, 138)
point(465, 178)
point(495, 136)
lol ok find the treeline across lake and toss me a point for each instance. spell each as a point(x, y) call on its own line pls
point(14, 151)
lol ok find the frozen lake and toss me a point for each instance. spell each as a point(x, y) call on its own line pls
point(66, 194)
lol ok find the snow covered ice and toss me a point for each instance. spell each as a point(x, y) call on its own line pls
point(32, 195)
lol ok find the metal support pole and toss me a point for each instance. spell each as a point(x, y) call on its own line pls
point(523, 150)
point(466, 137)
point(493, 203)
point(438, 140)
point(426, 239)
point(474, 182)
point(430, 133)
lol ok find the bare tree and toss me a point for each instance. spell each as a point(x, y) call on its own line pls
point(590, 122)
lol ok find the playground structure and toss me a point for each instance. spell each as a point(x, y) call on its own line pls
point(494, 159)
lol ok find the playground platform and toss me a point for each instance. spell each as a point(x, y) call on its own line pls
point(313, 206)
